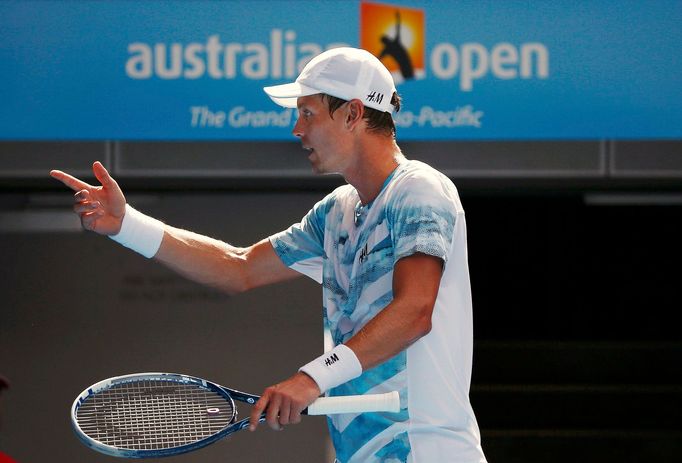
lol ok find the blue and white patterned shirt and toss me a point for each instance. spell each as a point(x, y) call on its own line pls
point(352, 251)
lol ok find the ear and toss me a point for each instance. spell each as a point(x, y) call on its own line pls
point(355, 111)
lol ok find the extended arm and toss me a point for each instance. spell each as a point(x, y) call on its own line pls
point(218, 264)
point(199, 258)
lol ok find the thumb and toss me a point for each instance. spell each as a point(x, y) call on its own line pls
point(102, 174)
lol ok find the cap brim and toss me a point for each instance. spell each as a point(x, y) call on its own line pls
point(286, 94)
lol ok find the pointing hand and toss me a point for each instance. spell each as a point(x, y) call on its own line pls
point(100, 208)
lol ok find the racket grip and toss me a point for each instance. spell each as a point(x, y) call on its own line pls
point(388, 402)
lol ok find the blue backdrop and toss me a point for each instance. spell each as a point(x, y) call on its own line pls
point(195, 70)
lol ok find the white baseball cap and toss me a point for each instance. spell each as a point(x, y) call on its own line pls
point(345, 73)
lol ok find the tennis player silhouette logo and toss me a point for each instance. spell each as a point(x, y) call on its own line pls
point(394, 48)
point(395, 34)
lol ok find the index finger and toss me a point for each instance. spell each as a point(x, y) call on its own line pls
point(257, 413)
point(70, 181)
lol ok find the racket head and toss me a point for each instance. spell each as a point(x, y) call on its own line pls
point(146, 415)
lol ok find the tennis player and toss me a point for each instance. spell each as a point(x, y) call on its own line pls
point(389, 249)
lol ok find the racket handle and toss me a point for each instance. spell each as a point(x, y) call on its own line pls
point(388, 402)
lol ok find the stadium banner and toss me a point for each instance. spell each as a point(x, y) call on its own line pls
point(466, 70)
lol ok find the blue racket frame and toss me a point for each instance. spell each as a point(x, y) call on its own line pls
point(229, 394)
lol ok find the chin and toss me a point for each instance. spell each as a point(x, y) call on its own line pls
point(317, 166)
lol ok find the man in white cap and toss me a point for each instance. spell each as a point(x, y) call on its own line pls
point(389, 249)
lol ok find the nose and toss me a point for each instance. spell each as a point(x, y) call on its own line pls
point(298, 129)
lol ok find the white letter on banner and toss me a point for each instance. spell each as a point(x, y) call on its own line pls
point(469, 72)
point(236, 117)
point(527, 50)
point(160, 61)
point(449, 69)
point(139, 65)
point(197, 67)
point(502, 54)
point(276, 53)
point(256, 65)
point(231, 50)
point(290, 55)
point(213, 48)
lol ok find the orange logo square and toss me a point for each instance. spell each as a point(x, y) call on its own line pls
point(395, 35)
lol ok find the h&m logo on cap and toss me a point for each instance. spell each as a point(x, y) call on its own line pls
point(375, 97)
point(395, 35)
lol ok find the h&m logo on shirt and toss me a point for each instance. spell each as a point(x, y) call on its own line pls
point(364, 253)
point(332, 359)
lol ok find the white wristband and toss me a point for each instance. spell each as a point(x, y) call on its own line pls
point(333, 368)
point(139, 232)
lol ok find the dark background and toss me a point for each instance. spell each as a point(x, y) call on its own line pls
point(574, 256)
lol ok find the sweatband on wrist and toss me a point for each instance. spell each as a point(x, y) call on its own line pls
point(333, 368)
point(139, 232)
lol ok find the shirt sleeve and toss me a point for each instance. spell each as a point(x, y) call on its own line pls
point(422, 217)
point(301, 246)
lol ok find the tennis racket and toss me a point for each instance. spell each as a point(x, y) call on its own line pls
point(161, 414)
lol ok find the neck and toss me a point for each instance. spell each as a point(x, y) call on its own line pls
point(374, 163)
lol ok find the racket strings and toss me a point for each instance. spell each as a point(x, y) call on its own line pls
point(154, 414)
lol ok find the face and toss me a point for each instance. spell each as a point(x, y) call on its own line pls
point(323, 137)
